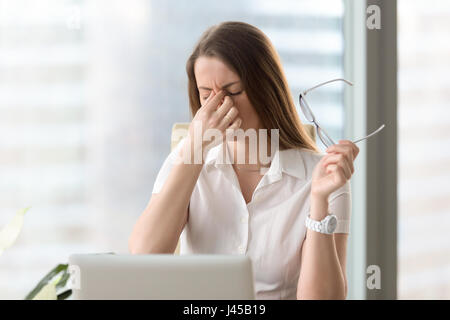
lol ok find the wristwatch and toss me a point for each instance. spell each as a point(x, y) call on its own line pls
point(326, 225)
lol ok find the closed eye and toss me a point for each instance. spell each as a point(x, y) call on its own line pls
point(231, 94)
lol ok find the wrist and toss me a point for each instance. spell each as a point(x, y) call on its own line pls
point(319, 207)
point(191, 153)
point(318, 197)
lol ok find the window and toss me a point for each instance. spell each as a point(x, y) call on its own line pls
point(424, 144)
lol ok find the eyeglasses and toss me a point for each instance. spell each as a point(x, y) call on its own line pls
point(309, 115)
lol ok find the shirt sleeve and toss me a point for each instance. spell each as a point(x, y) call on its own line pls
point(340, 204)
point(166, 167)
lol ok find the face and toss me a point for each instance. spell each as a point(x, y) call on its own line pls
point(212, 74)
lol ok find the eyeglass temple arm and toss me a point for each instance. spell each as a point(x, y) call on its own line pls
point(373, 133)
point(324, 83)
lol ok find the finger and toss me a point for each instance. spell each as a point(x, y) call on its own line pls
point(349, 163)
point(340, 160)
point(230, 131)
point(339, 172)
point(211, 94)
point(347, 171)
point(236, 124)
point(228, 118)
point(225, 107)
point(347, 156)
point(331, 168)
point(345, 149)
point(353, 145)
point(215, 101)
point(340, 147)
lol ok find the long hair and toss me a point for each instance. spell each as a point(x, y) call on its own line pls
point(250, 54)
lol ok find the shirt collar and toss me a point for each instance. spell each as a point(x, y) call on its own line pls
point(289, 161)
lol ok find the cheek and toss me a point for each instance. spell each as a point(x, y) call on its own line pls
point(244, 106)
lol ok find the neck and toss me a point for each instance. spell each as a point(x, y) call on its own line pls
point(245, 151)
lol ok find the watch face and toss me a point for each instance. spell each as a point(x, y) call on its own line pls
point(331, 225)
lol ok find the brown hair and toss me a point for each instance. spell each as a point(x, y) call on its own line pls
point(250, 54)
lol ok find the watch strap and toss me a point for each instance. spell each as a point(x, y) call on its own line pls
point(313, 224)
point(318, 226)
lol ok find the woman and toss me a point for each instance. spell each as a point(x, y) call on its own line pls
point(236, 81)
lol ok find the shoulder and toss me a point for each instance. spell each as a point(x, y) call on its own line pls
point(310, 159)
point(298, 162)
point(310, 156)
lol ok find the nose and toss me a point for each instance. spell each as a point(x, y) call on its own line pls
point(217, 90)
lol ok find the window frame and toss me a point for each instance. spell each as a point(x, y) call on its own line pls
point(370, 60)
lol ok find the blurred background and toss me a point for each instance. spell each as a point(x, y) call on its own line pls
point(89, 91)
point(423, 137)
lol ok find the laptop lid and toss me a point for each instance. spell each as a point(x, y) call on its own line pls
point(162, 276)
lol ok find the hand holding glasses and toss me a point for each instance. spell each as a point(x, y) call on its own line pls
point(323, 136)
point(309, 115)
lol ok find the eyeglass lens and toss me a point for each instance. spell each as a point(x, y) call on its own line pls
point(306, 110)
point(326, 140)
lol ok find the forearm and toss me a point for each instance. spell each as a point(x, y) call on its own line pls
point(160, 225)
point(321, 276)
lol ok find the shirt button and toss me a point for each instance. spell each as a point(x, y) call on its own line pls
point(241, 249)
point(244, 219)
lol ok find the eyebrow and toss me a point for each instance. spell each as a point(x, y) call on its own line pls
point(224, 87)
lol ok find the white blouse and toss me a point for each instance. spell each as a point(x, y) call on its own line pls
point(270, 229)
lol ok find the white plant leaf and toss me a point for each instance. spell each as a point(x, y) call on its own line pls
point(10, 232)
point(48, 292)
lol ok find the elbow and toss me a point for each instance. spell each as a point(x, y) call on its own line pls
point(134, 247)
point(322, 294)
point(341, 295)
point(333, 296)
point(345, 292)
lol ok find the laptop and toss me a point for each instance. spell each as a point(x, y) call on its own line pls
point(161, 277)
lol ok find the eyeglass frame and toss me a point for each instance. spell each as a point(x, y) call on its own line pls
point(319, 130)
